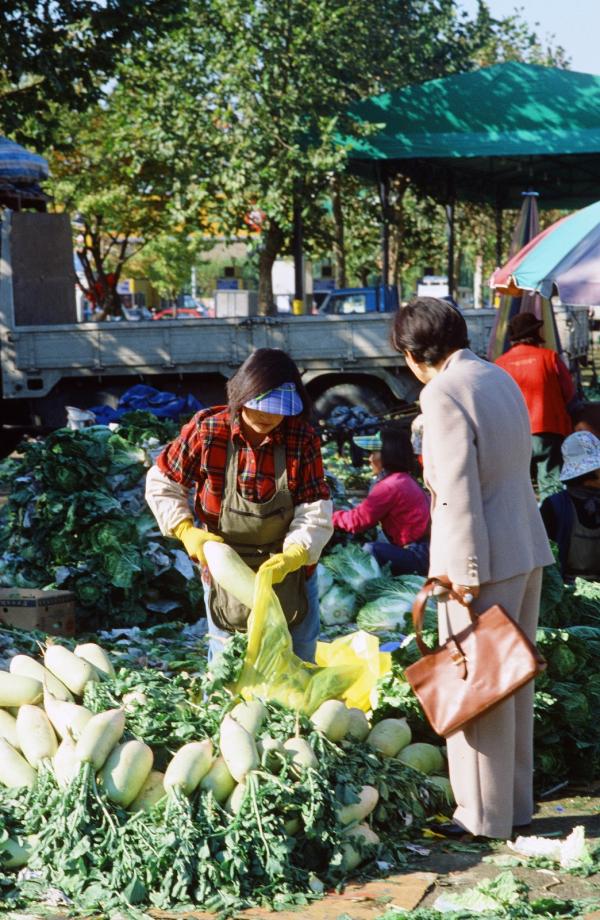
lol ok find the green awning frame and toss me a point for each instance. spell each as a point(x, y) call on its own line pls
point(488, 135)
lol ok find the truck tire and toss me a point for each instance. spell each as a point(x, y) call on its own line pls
point(353, 394)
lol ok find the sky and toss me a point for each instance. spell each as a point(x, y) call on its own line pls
point(575, 23)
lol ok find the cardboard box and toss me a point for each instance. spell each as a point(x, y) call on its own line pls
point(30, 608)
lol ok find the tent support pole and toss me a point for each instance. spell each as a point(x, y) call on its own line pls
point(298, 245)
point(384, 195)
point(450, 234)
point(499, 240)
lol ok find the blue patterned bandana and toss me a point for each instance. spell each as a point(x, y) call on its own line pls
point(282, 400)
point(369, 442)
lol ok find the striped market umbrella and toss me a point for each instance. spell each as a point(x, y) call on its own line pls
point(520, 300)
point(563, 260)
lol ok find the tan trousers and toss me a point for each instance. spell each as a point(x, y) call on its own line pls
point(491, 761)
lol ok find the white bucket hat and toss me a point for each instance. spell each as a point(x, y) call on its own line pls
point(581, 454)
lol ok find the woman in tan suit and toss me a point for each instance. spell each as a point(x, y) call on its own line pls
point(487, 537)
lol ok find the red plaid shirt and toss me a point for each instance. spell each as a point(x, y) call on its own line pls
point(197, 458)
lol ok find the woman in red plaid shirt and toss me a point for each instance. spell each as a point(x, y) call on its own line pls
point(259, 483)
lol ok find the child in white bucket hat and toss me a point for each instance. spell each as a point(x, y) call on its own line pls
point(572, 517)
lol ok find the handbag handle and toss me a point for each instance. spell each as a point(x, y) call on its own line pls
point(418, 607)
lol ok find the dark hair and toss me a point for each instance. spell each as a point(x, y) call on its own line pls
point(430, 329)
point(579, 480)
point(263, 370)
point(588, 414)
point(397, 455)
point(534, 339)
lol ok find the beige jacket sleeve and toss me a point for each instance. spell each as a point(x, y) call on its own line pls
point(311, 526)
point(459, 537)
point(169, 501)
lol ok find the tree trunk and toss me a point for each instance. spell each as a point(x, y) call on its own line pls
point(272, 241)
point(339, 248)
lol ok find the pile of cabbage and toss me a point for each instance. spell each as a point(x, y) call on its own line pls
point(76, 519)
point(354, 588)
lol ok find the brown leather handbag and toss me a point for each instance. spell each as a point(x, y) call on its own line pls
point(474, 670)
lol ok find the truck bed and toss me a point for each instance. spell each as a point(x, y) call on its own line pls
point(35, 358)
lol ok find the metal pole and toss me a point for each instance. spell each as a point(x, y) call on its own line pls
point(384, 195)
point(499, 240)
point(450, 238)
point(298, 302)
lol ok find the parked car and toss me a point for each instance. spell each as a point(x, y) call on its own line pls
point(180, 313)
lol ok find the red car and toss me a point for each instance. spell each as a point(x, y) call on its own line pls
point(181, 313)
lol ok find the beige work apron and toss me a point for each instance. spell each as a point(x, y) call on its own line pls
point(256, 531)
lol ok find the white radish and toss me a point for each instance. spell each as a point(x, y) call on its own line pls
point(74, 672)
point(218, 780)
point(126, 770)
point(97, 657)
point(67, 718)
point(15, 690)
point(230, 571)
point(65, 764)
point(250, 715)
point(36, 736)
point(237, 749)
point(332, 718)
point(99, 737)
point(29, 667)
point(14, 769)
point(8, 728)
point(271, 752)
point(292, 826)
point(359, 727)
point(389, 736)
point(151, 792)
point(427, 758)
point(236, 799)
point(189, 765)
point(301, 754)
point(14, 855)
point(358, 811)
point(133, 700)
point(352, 857)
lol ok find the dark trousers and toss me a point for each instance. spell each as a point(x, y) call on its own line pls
point(412, 559)
point(546, 461)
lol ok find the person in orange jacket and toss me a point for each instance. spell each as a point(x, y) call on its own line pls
point(547, 388)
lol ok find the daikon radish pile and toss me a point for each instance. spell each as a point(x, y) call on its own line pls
point(71, 670)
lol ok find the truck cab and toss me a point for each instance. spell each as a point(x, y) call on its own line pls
point(347, 301)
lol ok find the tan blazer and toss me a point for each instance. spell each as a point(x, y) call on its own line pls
point(486, 525)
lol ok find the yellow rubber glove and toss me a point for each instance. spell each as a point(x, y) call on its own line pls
point(293, 557)
point(193, 538)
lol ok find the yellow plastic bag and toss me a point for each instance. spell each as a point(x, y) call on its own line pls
point(272, 671)
point(362, 648)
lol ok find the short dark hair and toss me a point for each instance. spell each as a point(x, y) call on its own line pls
point(528, 340)
point(588, 414)
point(430, 329)
point(263, 370)
point(397, 455)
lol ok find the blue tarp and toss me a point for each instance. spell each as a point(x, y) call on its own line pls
point(159, 403)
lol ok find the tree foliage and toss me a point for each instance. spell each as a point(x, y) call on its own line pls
point(216, 108)
point(64, 52)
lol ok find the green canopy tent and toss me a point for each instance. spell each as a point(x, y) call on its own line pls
point(485, 136)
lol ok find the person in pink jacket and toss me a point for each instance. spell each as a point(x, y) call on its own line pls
point(396, 502)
